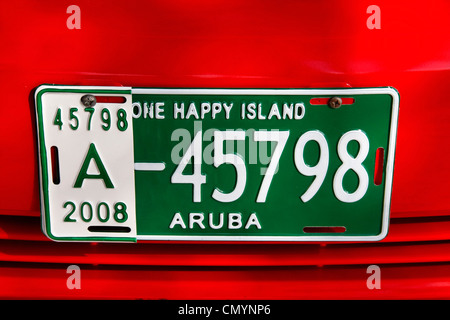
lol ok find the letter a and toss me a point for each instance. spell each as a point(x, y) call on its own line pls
point(74, 281)
point(74, 21)
point(374, 281)
point(103, 175)
point(374, 21)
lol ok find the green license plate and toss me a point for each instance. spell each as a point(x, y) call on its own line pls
point(128, 164)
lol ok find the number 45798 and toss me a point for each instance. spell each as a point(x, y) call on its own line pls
point(280, 137)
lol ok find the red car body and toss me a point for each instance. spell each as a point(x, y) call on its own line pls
point(232, 44)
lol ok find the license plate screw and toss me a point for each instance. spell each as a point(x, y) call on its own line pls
point(335, 102)
point(88, 100)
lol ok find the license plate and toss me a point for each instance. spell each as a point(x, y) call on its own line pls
point(128, 164)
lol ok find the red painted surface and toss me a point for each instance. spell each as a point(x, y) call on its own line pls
point(232, 44)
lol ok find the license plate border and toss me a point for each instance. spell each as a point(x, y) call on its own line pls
point(389, 169)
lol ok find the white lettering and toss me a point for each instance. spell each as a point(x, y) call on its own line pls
point(159, 108)
point(192, 111)
point(196, 218)
point(299, 111)
point(253, 221)
point(234, 221)
point(288, 110)
point(251, 109)
point(195, 310)
point(211, 223)
point(274, 112)
point(178, 110)
point(227, 109)
point(260, 116)
point(148, 110)
point(216, 221)
point(216, 108)
point(177, 220)
point(204, 109)
point(137, 106)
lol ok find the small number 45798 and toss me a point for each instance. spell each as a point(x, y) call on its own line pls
point(105, 117)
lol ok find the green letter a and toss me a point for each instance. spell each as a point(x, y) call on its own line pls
point(93, 154)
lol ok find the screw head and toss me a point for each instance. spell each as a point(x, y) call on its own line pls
point(335, 102)
point(88, 100)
